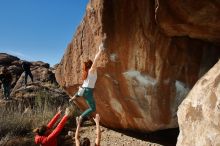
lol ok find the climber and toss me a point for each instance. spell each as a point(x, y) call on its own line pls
point(26, 67)
point(85, 141)
point(6, 79)
point(44, 134)
point(89, 76)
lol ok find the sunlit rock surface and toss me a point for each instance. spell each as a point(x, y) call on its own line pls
point(199, 113)
point(145, 73)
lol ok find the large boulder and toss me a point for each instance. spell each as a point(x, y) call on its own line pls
point(196, 19)
point(43, 91)
point(41, 64)
point(13, 64)
point(40, 70)
point(44, 78)
point(199, 113)
point(145, 74)
point(6, 59)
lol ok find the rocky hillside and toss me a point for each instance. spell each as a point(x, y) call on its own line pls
point(156, 51)
point(31, 105)
point(44, 82)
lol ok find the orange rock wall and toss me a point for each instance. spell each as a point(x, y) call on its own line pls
point(197, 19)
point(144, 74)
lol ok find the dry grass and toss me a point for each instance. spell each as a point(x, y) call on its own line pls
point(17, 123)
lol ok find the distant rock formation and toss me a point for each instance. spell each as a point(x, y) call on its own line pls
point(6, 59)
point(199, 113)
point(44, 81)
point(40, 70)
point(154, 56)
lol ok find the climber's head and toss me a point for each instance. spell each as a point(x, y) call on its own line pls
point(86, 66)
point(85, 142)
point(42, 130)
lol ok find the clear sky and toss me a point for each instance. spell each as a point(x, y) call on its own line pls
point(39, 30)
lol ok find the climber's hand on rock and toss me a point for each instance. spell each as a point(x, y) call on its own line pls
point(101, 47)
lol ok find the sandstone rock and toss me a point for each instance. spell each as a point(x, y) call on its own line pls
point(41, 64)
point(199, 113)
point(196, 19)
point(43, 96)
point(44, 90)
point(145, 74)
point(6, 59)
point(16, 72)
point(41, 75)
point(54, 68)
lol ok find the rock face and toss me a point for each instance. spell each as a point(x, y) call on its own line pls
point(199, 113)
point(145, 73)
point(44, 81)
point(197, 19)
point(40, 70)
point(6, 59)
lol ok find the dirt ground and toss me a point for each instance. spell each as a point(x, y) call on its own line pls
point(108, 138)
point(113, 138)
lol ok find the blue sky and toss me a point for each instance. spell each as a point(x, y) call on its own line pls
point(39, 30)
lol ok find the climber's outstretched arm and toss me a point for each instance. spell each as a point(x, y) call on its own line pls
point(97, 56)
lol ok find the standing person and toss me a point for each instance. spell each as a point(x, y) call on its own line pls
point(26, 67)
point(6, 79)
point(44, 134)
point(85, 141)
point(89, 76)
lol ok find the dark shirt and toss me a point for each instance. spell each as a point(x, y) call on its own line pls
point(26, 66)
point(6, 78)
